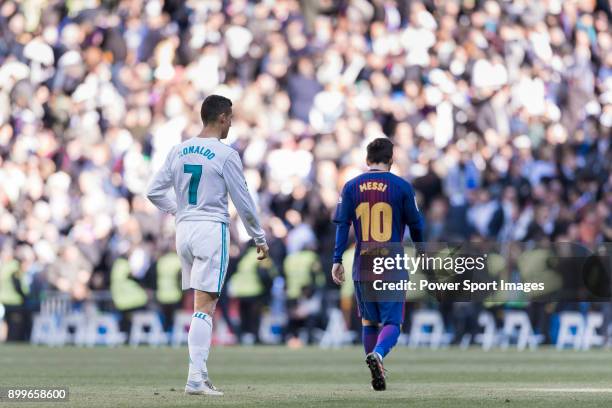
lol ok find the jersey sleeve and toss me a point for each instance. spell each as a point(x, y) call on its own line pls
point(233, 175)
point(160, 185)
point(342, 219)
point(344, 207)
point(412, 216)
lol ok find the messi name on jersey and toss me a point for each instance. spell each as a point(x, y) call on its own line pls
point(372, 185)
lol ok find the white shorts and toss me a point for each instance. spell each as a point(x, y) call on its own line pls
point(203, 249)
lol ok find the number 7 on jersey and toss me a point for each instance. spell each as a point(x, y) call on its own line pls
point(196, 173)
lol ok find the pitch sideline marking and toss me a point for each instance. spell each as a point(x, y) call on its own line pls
point(568, 390)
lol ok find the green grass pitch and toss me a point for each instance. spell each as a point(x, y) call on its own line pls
point(277, 376)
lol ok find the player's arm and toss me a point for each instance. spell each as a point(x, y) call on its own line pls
point(342, 219)
point(233, 175)
point(158, 189)
point(412, 216)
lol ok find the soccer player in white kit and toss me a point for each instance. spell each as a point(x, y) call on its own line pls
point(202, 170)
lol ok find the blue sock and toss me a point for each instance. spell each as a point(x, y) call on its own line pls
point(369, 335)
point(386, 339)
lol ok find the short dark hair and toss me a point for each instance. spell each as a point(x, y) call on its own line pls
point(213, 106)
point(380, 151)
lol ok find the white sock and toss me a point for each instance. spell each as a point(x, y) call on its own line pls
point(200, 335)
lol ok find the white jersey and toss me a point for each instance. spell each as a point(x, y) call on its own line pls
point(202, 172)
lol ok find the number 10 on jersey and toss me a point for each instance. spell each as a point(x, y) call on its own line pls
point(376, 221)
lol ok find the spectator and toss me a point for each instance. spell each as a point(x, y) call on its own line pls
point(304, 279)
point(250, 285)
point(501, 113)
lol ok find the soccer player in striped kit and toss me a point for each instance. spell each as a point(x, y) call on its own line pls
point(379, 205)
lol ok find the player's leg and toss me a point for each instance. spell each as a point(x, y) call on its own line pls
point(199, 340)
point(391, 318)
point(209, 246)
point(369, 335)
point(373, 360)
point(387, 339)
point(391, 315)
point(368, 311)
point(369, 319)
point(199, 327)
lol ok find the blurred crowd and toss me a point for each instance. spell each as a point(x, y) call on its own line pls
point(500, 112)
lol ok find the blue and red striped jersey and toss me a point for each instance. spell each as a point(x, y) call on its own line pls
point(379, 205)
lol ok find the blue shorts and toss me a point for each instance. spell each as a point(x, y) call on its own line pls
point(379, 312)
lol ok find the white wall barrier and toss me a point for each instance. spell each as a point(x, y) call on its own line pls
point(57, 325)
